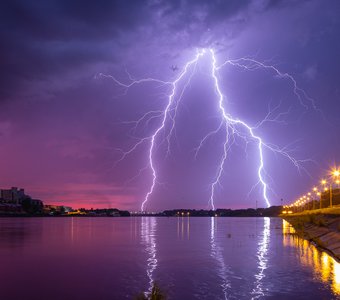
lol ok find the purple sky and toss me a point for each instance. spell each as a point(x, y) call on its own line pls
point(61, 125)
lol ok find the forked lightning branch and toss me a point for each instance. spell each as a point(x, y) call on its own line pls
point(231, 126)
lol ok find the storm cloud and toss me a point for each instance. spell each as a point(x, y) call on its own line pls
point(62, 126)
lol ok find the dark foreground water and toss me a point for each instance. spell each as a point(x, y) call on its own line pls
point(190, 258)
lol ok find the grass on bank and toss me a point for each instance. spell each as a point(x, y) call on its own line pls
point(156, 294)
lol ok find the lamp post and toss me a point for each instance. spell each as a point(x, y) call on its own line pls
point(336, 174)
point(309, 197)
point(308, 202)
point(315, 190)
point(326, 189)
point(323, 182)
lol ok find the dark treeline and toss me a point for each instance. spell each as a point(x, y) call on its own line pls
point(272, 211)
point(105, 212)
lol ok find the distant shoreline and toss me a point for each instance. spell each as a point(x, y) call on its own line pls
point(273, 211)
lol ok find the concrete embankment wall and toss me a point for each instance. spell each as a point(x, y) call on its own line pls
point(323, 229)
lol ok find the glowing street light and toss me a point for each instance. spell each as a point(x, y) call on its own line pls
point(336, 174)
point(323, 182)
point(319, 195)
point(315, 190)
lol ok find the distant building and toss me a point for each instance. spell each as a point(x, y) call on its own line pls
point(15, 200)
point(36, 202)
point(13, 195)
point(8, 208)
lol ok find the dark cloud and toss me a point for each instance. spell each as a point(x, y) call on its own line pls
point(46, 38)
point(57, 119)
point(65, 20)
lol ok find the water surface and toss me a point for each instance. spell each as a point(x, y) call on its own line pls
point(189, 258)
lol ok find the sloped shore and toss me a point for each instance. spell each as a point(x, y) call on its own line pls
point(322, 228)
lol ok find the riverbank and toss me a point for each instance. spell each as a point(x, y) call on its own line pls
point(321, 226)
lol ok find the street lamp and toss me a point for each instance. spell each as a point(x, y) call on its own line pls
point(324, 182)
point(335, 174)
point(315, 190)
point(308, 198)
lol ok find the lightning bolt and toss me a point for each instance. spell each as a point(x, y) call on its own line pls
point(232, 127)
point(161, 127)
point(230, 123)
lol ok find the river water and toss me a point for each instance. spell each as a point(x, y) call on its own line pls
point(189, 258)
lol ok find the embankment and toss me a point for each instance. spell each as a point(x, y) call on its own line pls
point(320, 226)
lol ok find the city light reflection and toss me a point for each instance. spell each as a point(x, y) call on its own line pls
point(336, 277)
point(148, 235)
point(72, 230)
point(183, 226)
point(324, 266)
point(326, 270)
point(262, 257)
point(188, 228)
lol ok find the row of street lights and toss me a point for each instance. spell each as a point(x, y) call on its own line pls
point(307, 201)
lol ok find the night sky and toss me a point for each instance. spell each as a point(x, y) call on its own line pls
point(62, 125)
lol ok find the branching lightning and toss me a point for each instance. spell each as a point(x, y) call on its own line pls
point(231, 126)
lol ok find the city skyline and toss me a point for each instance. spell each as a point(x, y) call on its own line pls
point(63, 127)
